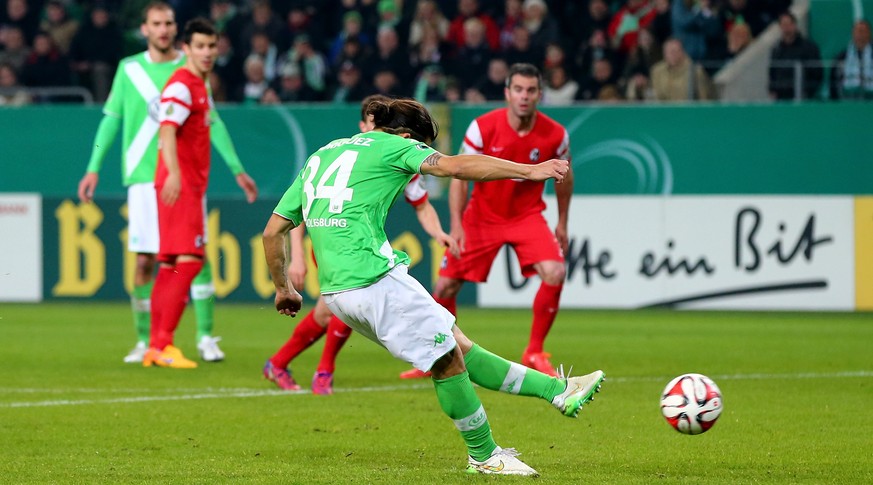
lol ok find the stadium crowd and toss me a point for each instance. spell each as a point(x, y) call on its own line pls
point(284, 51)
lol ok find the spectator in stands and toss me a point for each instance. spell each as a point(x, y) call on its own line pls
point(595, 48)
point(389, 16)
point(11, 92)
point(431, 85)
point(312, 63)
point(351, 52)
point(350, 86)
point(744, 12)
point(677, 77)
point(493, 83)
point(352, 28)
point(219, 89)
point(852, 77)
point(95, 52)
point(229, 67)
point(473, 56)
point(429, 51)
point(59, 25)
point(542, 27)
point(627, 22)
point(263, 20)
point(263, 47)
point(469, 9)
point(739, 37)
point(512, 17)
point(299, 22)
point(560, 90)
point(18, 13)
point(639, 87)
point(641, 60)
point(473, 96)
point(428, 14)
point(386, 83)
point(389, 57)
point(555, 56)
point(256, 83)
point(289, 88)
point(15, 51)
point(601, 77)
point(364, 10)
point(662, 25)
point(521, 51)
point(228, 21)
point(46, 66)
point(596, 17)
point(696, 23)
point(794, 52)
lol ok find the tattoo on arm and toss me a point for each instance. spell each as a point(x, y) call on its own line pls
point(433, 159)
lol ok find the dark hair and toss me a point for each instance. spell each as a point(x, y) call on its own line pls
point(789, 14)
point(198, 25)
point(404, 115)
point(525, 70)
point(154, 5)
point(369, 99)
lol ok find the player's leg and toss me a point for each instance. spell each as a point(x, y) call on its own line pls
point(168, 303)
point(539, 253)
point(493, 372)
point(203, 301)
point(445, 293)
point(306, 333)
point(336, 336)
point(143, 240)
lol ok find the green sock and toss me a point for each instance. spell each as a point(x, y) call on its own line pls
point(203, 299)
point(459, 401)
point(498, 374)
point(141, 304)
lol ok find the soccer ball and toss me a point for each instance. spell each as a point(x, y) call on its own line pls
point(691, 403)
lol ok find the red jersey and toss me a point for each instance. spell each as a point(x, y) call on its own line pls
point(186, 104)
point(490, 134)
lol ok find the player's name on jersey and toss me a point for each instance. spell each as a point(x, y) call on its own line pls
point(322, 222)
point(360, 141)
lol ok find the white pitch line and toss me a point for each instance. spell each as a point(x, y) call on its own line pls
point(224, 393)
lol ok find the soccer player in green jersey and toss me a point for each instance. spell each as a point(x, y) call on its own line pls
point(343, 195)
point(132, 107)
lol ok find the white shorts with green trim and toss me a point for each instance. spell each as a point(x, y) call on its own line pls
point(397, 313)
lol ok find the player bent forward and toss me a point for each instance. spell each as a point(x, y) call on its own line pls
point(343, 194)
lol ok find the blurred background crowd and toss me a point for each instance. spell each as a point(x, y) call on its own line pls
point(281, 51)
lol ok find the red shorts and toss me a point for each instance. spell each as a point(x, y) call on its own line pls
point(181, 226)
point(531, 238)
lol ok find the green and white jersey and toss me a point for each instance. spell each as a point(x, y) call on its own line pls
point(134, 98)
point(343, 195)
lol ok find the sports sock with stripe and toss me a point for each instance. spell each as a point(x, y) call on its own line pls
point(498, 374)
point(459, 401)
point(140, 302)
point(203, 300)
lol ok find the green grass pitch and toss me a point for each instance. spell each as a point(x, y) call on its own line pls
point(798, 394)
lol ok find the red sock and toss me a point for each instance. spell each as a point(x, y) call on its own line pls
point(545, 309)
point(305, 334)
point(337, 334)
point(169, 297)
point(450, 304)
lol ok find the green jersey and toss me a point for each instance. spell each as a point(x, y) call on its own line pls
point(343, 195)
point(134, 98)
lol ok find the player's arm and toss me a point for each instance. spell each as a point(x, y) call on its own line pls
point(563, 194)
point(170, 155)
point(288, 300)
point(482, 168)
point(103, 139)
point(297, 265)
point(224, 146)
point(458, 190)
point(430, 222)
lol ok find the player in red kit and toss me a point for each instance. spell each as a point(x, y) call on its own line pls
point(180, 182)
point(510, 211)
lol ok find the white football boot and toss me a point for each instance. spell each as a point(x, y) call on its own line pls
point(136, 354)
point(580, 390)
point(502, 461)
point(208, 349)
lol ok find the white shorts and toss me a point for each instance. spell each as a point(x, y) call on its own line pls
point(397, 313)
point(142, 219)
point(143, 235)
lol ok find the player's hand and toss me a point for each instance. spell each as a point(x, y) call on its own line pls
point(561, 236)
point(550, 169)
point(248, 185)
point(171, 189)
point(297, 273)
point(87, 186)
point(458, 235)
point(450, 243)
point(288, 302)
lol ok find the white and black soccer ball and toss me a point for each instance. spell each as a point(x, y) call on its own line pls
point(691, 403)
